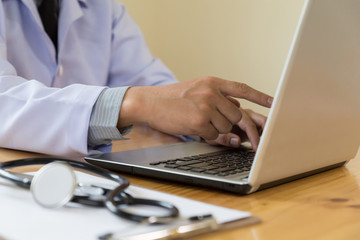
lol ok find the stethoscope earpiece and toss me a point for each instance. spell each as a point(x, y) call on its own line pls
point(53, 185)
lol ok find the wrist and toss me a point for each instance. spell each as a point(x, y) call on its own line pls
point(132, 107)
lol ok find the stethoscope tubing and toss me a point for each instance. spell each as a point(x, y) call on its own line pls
point(114, 204)
point(124, 183)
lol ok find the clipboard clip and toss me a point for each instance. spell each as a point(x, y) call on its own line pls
point(189, 227)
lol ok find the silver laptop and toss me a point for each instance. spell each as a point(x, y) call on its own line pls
point(313, 125)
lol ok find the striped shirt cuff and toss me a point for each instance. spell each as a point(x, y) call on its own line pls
point(104, 118)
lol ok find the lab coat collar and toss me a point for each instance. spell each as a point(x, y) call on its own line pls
point(75, 9)
point(26, 2)
point(30, 4)
point(70, 12)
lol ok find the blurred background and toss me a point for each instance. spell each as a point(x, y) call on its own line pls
point(240, 40)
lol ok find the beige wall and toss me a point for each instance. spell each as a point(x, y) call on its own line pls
point(241, 40)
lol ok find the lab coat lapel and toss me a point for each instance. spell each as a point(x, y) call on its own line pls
point(70, 11)
point(33, 11)
point(30, 5)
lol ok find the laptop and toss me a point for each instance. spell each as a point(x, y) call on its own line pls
point(313, 125)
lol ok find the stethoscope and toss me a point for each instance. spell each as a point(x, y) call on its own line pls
point(55, 184)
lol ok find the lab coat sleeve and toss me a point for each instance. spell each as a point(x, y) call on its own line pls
point(41, 119)
point(46, 120)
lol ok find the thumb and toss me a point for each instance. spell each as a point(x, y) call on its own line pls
point(228, 140)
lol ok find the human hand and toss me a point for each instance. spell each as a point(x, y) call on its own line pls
point(249, 128)
point(204, 107)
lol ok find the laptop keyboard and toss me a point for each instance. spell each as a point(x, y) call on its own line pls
point(219, 163)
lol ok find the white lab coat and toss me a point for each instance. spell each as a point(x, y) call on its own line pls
point(45, 104)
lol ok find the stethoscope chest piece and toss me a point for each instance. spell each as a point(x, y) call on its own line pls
point(53, 185)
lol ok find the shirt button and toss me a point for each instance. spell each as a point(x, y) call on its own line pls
point(60, 71)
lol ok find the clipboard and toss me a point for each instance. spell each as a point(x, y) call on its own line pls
point(185, 230)
point(22, 218)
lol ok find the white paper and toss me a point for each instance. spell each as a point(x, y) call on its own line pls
point(21, 218)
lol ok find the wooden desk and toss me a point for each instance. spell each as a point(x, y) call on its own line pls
point(324, 206)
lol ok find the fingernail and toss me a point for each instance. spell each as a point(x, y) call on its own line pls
point(270, 100)
point(234, 142)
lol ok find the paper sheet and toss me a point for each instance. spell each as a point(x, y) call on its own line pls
point(21, 218)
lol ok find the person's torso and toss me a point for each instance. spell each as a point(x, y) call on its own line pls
point(84, 42)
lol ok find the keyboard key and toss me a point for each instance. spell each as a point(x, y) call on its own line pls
point(187, 162)
point(170, 165)
point(184, 168)
point(211, 172)
point(155, 163)
point(197, 169)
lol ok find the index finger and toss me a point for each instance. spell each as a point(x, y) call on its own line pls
point(241, 90)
